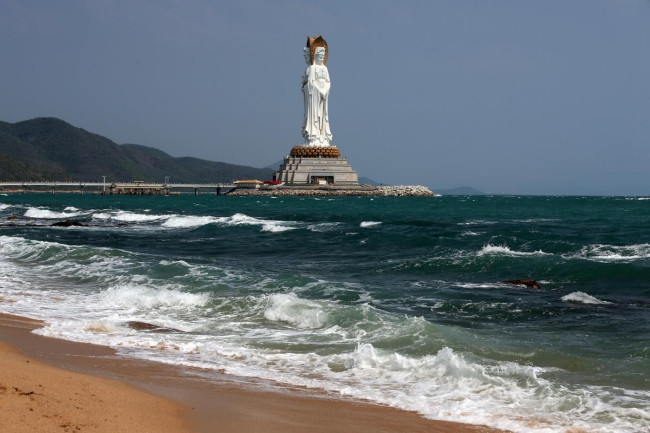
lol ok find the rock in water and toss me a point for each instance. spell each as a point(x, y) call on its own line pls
point(67, 223)
point(144, 326)
point(528, 283)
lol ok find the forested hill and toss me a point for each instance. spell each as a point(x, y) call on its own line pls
point(47, 148)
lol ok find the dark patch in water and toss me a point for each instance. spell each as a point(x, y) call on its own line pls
point(144, 326)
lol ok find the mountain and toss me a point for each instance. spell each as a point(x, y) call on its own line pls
point(47, 148)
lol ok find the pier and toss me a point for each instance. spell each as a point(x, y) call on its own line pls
point(120, 188)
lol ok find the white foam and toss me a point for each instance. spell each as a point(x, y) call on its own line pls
point(476, 222)
point(275, 228)
point(536, 220)
point(366, 224)
point(15, 246)
point(584, 298)
point(323, 227)
point(188, 221)
point(239, 219)
point(4, 206)
point(614, 253)
point(175, 262)
point(479, 285)
point(137, 297)
point(490, 249)
point(291, 309)
point(125, 216)
point(49, 214)
point(133, 217)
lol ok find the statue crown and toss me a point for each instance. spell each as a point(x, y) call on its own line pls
point(313, 43)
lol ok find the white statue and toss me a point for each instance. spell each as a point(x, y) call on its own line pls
point(305, 93)
point(316, 89)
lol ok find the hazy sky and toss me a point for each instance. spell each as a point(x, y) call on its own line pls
point(519, 96)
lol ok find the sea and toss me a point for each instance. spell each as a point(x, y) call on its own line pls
point(402, 301)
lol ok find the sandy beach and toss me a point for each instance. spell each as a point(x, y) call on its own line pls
point(51, 385)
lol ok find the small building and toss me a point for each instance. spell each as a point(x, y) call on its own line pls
point(249, 184)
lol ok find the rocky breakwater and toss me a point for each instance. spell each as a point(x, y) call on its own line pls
point(339, 191)
point(406, 191)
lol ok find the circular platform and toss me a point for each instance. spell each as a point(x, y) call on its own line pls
point(315, 152)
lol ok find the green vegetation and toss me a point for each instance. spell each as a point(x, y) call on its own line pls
point(51, 149)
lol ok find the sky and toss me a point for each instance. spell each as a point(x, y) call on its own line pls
point(509, 97)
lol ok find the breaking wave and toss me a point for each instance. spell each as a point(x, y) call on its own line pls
point(301, 313)
point(49, 214)
point(490, 249)
point(188, 221)
point(583, 298)
point(614, 253)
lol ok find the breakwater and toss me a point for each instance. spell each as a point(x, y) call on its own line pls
point(339, 191)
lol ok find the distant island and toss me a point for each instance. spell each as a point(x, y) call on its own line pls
point(463, 190)
point(48, 148)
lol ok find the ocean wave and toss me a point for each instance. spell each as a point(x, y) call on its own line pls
point(175, 262)
point(614, 253)
point(299, 312)
point(131, 217)
point(276, 228)
point(239, 219)
point(40, 213)
point(17, 247)
point(188, 221)
point(502, 395)
point(323, 227)
point(535, 220)
point(4, 206)
point(490, 249)
point(481, 285)
point(477, 222)
point(130, 297)
point(228, 335)
point(366, 224)
point(175, 221)
point(583, 298)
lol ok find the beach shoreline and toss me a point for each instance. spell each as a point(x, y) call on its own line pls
point(71, 376)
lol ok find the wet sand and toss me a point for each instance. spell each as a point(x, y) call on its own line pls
point(51, 385)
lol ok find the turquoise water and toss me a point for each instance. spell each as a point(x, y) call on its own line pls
point(397, 300)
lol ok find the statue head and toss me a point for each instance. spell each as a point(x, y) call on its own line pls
point(313, 44)
point(319, 55)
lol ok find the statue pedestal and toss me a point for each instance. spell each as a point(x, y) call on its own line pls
point(319, 170)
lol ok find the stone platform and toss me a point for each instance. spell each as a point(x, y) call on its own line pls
point(323, 166)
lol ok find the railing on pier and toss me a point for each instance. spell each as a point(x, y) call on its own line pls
point(135, 188)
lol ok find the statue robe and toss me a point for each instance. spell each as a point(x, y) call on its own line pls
point(316, 126)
